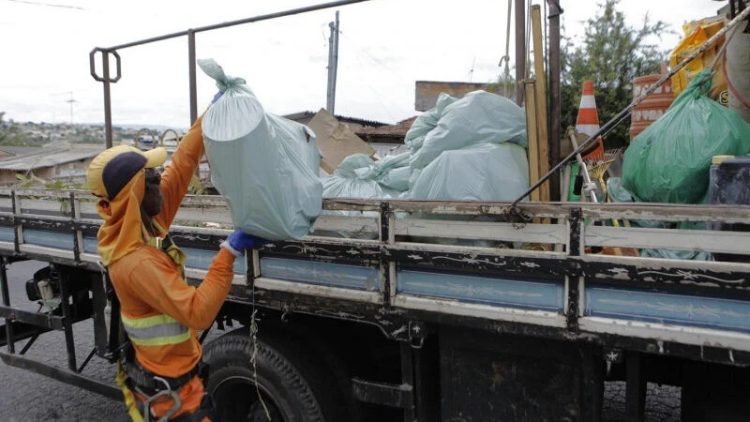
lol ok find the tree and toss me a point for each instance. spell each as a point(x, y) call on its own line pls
point(611, 54)
point(10, 135)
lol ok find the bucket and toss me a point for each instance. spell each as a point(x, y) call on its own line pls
point(653, 106)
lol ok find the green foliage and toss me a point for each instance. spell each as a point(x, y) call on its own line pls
point(25, 181)
point(504, 85)
point(10, 135)
point(611, 54)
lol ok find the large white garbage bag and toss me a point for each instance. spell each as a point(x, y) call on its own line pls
point(356, 177)
point(485, 172)
point(264, 165)
point(477, 118)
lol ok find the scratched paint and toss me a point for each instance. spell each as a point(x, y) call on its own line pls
point(321, 273)
point(527, 294)
point(202, 258)
point(7, 234)
point(89, 245)
point(702, 311)
point(49, 239)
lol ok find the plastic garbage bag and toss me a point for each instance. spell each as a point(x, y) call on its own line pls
point(671, 254)
point(394, 171)
point(264, 165)
point(356, 178)
point(479, 117)
point(396, 179)
point(426, 122)
point(670, 160)
point(486, 172)
point(619, 194)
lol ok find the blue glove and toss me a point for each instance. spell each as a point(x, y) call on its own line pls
point(238, 242)
point(217, 96)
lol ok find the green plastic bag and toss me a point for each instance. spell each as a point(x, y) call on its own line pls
point(670, 160)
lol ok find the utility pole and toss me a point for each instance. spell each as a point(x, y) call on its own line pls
point(520, 49)
point(333, 63)
point(553, 51)
point(71, 101)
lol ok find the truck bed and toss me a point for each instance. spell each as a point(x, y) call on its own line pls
point(401, 264)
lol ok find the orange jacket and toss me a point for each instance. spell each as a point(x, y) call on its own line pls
point(155, 300)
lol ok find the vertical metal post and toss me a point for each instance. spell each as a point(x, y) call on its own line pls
point(107, 99)
point(427, 380)
point(553, 53)
point(252, 267)
point(635, 388)
point(575, 286)
point(407, 378)
point(77, 238)
point(99, 318)
point(68, 321)
point(6, 302)
point(336, 57)
point(387, 266)
point(592, 370)
point(520, 49)
point(17, 230)
point(192, 77)
point(333, 63)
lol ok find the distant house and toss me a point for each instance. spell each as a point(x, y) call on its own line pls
point(388, 139)
point(49, 162)
point(426, 93)
point(354, 123)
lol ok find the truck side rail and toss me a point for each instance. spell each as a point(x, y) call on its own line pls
point(536, 269)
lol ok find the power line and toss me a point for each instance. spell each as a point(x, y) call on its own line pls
point(36, 3)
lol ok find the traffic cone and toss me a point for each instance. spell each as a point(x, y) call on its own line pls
point(587, 121)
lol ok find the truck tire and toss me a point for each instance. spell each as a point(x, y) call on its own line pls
point(287, 394)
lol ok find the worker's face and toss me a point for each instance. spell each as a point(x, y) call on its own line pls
point(152, 198)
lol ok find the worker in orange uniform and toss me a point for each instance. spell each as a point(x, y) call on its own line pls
point(159, 310)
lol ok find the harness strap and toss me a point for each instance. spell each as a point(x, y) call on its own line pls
point(151, 383)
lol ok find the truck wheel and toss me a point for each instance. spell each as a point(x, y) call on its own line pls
point(287, 395)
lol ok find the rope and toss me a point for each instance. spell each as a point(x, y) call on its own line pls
point(506, 57)
point(253, 360)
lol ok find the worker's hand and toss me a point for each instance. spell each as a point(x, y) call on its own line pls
point(217, 96)
point(238, 242)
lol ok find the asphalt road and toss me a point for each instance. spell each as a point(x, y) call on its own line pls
point(25, 396)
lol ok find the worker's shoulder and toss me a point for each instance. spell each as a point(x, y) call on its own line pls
point(144, 258)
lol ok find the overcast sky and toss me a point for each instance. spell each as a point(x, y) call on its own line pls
point(385, 46)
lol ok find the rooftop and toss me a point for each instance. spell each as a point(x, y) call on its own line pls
point(48, 157)
point(397, 131)
point(344, 119)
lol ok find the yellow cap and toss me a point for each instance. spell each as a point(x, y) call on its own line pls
point(113, 168)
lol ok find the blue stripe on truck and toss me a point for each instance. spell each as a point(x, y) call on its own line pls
point(699, 311)
point(321, 273)
point(501, 291)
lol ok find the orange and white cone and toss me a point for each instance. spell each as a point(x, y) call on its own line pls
point(588, 120)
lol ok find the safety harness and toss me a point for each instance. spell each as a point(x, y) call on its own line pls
point(152, 331)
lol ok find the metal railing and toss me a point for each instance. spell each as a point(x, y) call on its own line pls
point(107, 79)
